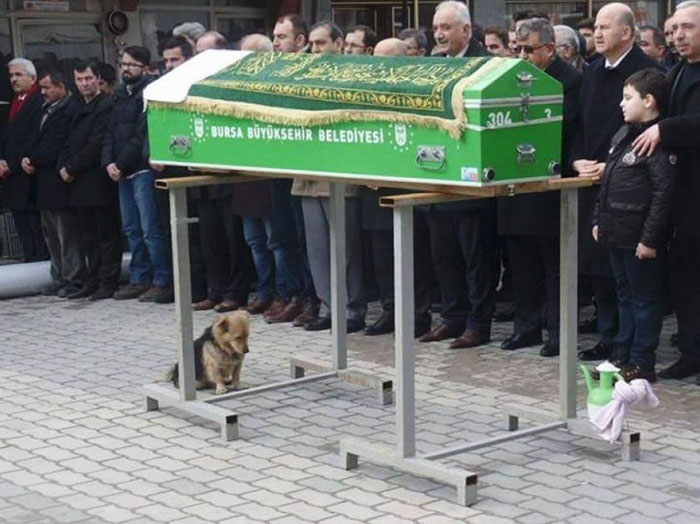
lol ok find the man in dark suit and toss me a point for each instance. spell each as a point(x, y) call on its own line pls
point(680, 132)
point(92, 194)
point(531, 222)
point(59, 220)
point(463, 234)
point(601, 117)
point(18, 192)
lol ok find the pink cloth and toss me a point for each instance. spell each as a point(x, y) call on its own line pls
point(611, 417)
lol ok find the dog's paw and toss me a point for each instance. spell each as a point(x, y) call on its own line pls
point(221, 389)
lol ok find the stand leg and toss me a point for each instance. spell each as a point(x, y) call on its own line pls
point(630, 445)
point(151, 404)
point(568, 289)
point(404, 343)
point(512, 422)
point(183, 292)
point(338, 276)
point(229, 428)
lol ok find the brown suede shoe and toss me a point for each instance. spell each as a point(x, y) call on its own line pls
point(204, 305)
point(257, 306)
point(276, 306)
point(309, 312)
point(469, 339)
point(286, 314)
point(441, 332)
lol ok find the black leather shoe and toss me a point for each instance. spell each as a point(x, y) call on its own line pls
point(517, 341)
point(549, 350)
point(600, 351)
point(101, 294)
point(384, 325)
point(471, 338)
point(682, 368)
point(353, 325)
point(83, 292)
point(318, 324)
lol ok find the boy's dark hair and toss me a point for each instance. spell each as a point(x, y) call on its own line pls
point(182, 43)
point(586, 23)
point(369, 37)
point(651, 82)
point(478, 33)
point(139, 53)
point(298, 24)
point(93, 65)
point(56, 77)
point(108, 73)
point(332, 28)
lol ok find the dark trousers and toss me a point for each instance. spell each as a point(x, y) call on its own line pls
point(686, 295)
point(228, 262)
point(465, 258)
point(28, 226)
point(309, 291)
point(198, 271)
point(382, 245)
point(606, 307)
point(639, 286)
point(534, 267)
point(102, 244)
point(62, 234)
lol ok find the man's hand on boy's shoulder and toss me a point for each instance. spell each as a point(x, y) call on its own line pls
point(647, 142)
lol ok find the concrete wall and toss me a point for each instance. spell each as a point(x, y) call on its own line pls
point(490, 12)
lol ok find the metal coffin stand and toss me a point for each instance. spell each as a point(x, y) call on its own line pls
point(404, 456)
point(186, 398)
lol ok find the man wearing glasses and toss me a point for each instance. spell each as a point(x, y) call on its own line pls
point(360, 40)
point(125, 160)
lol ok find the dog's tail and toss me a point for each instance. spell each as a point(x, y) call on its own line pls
point(170, 376)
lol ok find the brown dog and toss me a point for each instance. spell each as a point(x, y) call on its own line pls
point(219, 353)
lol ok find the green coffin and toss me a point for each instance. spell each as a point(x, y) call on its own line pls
point(212, 113)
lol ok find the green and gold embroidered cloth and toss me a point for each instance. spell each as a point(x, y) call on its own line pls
point(311, 89)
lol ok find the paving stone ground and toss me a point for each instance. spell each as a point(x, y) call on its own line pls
point(77, 446)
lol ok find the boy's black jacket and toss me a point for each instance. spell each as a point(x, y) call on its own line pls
point(636, 194)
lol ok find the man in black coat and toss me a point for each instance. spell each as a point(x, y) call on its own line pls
point(93, 194)
point(59, 220)
point(531, 222)
point(601, 117)
point(17, 190)
point(462, 234)
point(680, 132)
point(125, 158)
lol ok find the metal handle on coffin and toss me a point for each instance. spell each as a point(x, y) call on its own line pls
point(526, 153)
point(180, 144)
point(428, 155)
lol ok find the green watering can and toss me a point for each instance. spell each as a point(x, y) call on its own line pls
point(600, 395)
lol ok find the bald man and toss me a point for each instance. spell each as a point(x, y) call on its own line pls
point(601, 117)
point(211, 40)
point(391, 47)
point(257, 43)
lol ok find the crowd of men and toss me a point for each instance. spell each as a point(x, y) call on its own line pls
point(75, 170)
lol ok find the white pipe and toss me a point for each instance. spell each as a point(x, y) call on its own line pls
point(20, 280)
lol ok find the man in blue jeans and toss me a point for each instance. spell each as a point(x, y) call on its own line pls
point(150, 274)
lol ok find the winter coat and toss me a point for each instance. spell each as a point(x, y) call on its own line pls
point(18, 190)
point(123, 143)
point(636, 194)
point(681, 134)
point(47, 142)
point(81, 155)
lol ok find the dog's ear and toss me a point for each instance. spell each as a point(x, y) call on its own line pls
point(221, 322)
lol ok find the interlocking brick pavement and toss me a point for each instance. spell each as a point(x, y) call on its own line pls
point(76, 445)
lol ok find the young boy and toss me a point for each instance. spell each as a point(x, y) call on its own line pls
point(632, 221)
